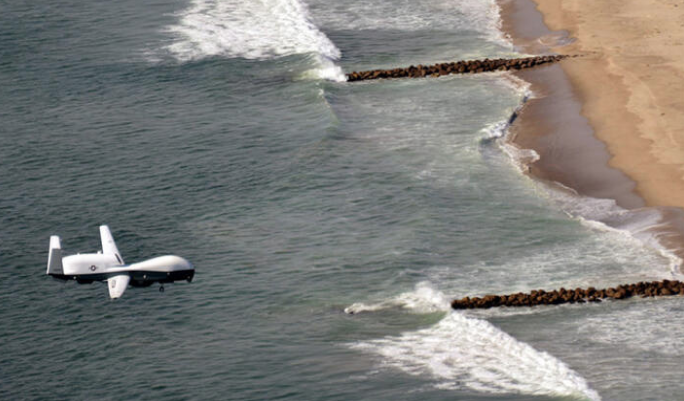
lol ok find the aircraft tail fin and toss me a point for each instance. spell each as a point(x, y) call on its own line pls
point(108, 244)
point(54, 266)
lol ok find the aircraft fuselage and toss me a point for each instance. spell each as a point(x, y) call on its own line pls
point(89, 267)
point(109, 266)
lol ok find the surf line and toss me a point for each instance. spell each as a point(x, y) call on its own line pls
point(578, 295)
point(460, 67)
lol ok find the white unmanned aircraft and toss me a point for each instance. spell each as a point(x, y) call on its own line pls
point(109, 266)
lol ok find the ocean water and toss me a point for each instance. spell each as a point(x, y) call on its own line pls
point(330, 223)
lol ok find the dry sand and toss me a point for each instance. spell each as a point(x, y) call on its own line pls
point(630, 81)
point(608, 124)
point(552, 123)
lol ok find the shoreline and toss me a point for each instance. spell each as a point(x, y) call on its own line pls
point(556, 125)
point(630, 82)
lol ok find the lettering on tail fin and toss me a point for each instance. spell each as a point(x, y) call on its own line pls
point(54, 266)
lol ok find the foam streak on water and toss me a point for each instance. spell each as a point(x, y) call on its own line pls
point(596, 213)
point(476, 15)
point(464, 352)
point(252, 30)
point(425, 299)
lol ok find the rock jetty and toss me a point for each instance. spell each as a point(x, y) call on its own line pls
point(578, 295)
point(460, 67)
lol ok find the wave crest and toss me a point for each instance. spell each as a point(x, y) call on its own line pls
point(424, 299)
point(252, 30)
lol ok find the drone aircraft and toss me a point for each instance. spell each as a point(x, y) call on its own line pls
point(108, 266)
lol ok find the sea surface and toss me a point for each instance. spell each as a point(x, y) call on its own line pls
point(330, 223)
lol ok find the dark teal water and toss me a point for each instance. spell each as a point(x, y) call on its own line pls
point(219, 131)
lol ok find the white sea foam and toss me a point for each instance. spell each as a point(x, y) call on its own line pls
point(407, 15)
point(521, 158)
point(424, 299)
point(660, 328)
point(462, 352)
point(598, 259)
point(635, 226)
point(600, 214)
point(498, 131)
point(253, 30)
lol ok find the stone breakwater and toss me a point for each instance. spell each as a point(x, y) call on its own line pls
point(460, 67)
point(578, 295)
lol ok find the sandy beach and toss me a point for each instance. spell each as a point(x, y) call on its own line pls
point(609, 123)
point(631, 84)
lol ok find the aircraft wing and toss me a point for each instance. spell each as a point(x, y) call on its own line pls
point(108, 244)
point(117, 285)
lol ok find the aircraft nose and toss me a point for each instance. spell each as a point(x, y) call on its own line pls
point(182, 263)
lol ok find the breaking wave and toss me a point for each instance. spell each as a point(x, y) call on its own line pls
point(424, 299)
point(253, 30)
point(462, 352)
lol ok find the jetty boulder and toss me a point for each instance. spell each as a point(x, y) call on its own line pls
point(577, 295)
point(460, 67)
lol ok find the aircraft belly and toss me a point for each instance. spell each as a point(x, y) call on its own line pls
point(84, 277)
point(139, 276)
point(142, 278)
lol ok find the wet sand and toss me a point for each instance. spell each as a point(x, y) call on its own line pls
point(570, 154)
point(631, 84)
point(562, 125)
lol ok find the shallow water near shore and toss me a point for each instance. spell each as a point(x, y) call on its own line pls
point(297, 197)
